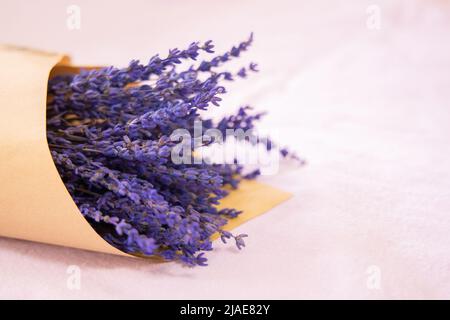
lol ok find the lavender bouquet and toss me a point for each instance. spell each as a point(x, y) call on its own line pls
point(110, 135)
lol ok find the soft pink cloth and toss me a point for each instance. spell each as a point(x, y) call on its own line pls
point(369, 109)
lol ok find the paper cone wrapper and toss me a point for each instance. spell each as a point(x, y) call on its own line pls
point(34, 203)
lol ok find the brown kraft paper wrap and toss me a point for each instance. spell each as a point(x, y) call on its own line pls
point(34, 203)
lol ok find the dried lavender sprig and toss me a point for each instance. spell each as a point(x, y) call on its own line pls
point(109, 139)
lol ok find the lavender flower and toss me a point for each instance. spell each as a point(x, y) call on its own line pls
point(108, 131)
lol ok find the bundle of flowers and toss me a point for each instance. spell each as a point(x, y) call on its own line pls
point(110, 132)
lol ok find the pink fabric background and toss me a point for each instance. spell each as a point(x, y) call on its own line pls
point(369, 109)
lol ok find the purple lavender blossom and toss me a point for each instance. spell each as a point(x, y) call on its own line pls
point(108, 131)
